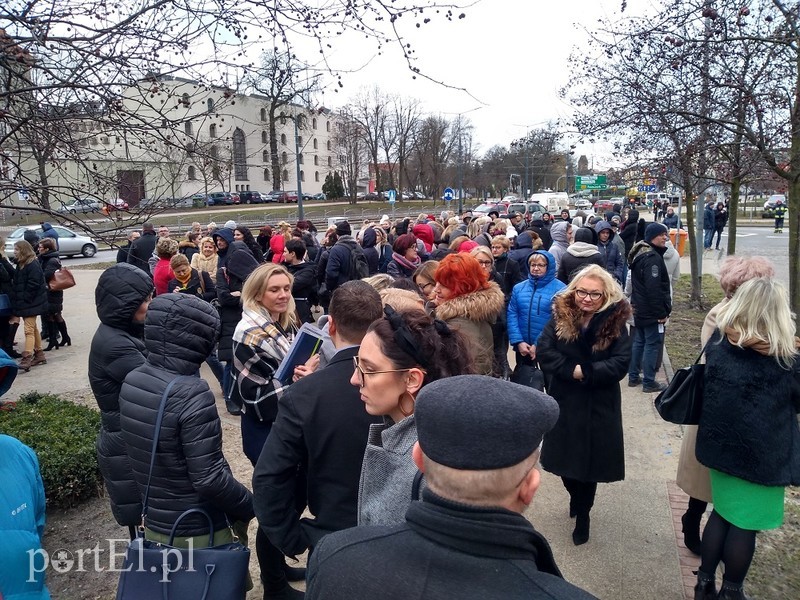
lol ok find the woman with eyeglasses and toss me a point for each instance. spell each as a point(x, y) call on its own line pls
point(584, 351)
point(424, 278)
point(530, 306)
point(467, 300)
point(500, 368)
point(400, 354)
point(405, 257)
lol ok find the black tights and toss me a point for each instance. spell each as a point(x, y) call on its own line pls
point(581, 494)
point(723, 541)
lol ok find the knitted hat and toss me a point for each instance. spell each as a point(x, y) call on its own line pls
point(343, 228)
point(477, 423)
point(654, 230)
point(467, 246)
point(230, 224)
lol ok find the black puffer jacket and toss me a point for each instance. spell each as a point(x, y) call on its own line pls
point(190, 470)
point(304, 289)
point(651, 296)
point(239, 263)
point(50, 264)
point(117, 349)
point(29, 298)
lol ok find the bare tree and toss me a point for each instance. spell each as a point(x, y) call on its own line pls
point(370, 110)
point(352, 151)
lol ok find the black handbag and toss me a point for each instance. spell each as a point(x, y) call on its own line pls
point(157, 571)
point(682, 402)
point(528, 375)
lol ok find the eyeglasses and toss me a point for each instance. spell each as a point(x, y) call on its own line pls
point(583, 294)
point(485, 263)
point(361, 372)
point(538, 266)
point(423, 287)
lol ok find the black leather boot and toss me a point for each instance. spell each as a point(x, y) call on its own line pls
point(8, 344)
point(62, 328)
point(731, 591)
point(691, 531)
point(706, 587)
point(52, 336)
point(581, 533)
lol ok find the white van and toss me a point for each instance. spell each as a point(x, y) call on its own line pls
point(554, 201)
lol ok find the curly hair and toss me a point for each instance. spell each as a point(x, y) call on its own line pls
point(166, 247)
point(735, 270)
point(462, 274)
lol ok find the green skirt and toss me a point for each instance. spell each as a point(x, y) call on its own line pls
point(747, 505)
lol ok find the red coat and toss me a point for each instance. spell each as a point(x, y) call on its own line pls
point(277, 244)
point(162, 275)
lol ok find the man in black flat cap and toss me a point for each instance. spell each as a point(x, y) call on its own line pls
point(478, 447)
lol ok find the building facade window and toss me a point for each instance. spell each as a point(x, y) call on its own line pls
point(210, 105)
point(316, 160)
point(302, 175)
point(285, 175)
point(191, 174)
point(212, 130)
point(315, 144)
point(239, 155)
point(263, 137)
point(214, 153)
point(263, 114)
point(316, 176)
point(300, 158)
point(283, 139)
point(284, 158)
point(266, 174)
point(328, 126)
point(314, 123)
point(265, 156)
point(329, 145)
point(187, 128)
point(330, 161)
point(283, 118)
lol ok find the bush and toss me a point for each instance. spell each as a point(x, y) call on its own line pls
point(63, 436)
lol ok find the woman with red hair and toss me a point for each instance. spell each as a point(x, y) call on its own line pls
point(467, 301)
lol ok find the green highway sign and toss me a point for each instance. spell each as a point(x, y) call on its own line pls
point(590, 182)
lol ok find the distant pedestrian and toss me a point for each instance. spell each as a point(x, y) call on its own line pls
point(780, 213)
point(708, 223)
point(142, 249)
point(720, 220)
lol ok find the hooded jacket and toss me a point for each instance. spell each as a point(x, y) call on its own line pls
point(651, 292)
point(368, 242)
point(49, 232)
point(227, 235)
point(190, 470)
point(531, 303)
point(423, 231)
point(473, 315)
point(239, 263)
point(613, 260)
point(580, 253)
point(522, 250)
point(117, 349)
point(560, 240)
point(628, 231)
point(337, 271)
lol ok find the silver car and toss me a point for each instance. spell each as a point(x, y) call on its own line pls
point(69, 243)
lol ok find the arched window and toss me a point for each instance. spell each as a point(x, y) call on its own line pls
point(285, 175)
point(299, 140)
point(266, 174)
point(263, 137)
point(283, 118)
point(191, 174)
point(210, 105)
point(187, 128)
point(265, 156)
point(215, 171)
point(284, 158)
point(302, 175)
point(315, 144)
point(300, 158)
point(212, 131)
point(314, 123)
point(329, 145)
point(283, 139)
point(316, 160)
point(330, 161)
point(316, 176)
point(263, 114)
point(327, 126)
point(301, 121)
point(239, 155)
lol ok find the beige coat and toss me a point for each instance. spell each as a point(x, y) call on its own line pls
point(692, 477)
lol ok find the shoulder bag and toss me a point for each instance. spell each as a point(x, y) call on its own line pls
point(153, 570)
point(682, 402)
point(62, 280)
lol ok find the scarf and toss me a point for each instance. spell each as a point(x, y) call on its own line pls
point(582, 249)
point(257, 329)
point(404, 262)
point(185, 281)
point(757, 344)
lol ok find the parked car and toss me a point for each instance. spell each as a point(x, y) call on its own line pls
point(115, 204)
point(80, 205)
point(220, 198)
point(420, 195)
point(320, 196)
point(291, 196)
point(69, 243)
point(278, 196)
point(526, 209)
point(250, 197)
point(487, 207)
point(582, 204)
point(603, 205)
point(771, 203)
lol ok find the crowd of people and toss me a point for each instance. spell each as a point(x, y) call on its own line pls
point(409, 437)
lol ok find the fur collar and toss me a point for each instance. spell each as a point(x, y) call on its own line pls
point(483, 305)
point(603, 329)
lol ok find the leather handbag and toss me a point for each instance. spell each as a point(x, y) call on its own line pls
point(682, 402)
point(157, 571)
point(62, 280)
point(528, 375)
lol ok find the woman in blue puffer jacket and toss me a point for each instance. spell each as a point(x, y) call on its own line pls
point(531, 304)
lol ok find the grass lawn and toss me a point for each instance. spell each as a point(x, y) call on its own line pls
point(775, 572)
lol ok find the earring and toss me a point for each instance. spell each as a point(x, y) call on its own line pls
point(400, 404)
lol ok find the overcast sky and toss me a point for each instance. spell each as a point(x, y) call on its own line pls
point(512, 56)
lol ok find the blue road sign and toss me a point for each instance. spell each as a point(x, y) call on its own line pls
point(647, 188)
point(449, 194)
point(391, 196)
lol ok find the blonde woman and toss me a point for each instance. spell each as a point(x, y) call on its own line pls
point(260, 342)
point(206, 261)
point(748, 434)
point(29, 300)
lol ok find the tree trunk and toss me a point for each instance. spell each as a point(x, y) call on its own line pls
point(793, 221)
point(694, 252)
point(273, 152)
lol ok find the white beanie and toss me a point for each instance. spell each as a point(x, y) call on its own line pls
point(230, 224)
point(384, 219)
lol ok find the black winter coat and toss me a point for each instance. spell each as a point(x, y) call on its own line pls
point(141, 250)
point(6, 277)
point(50, 264)
point(239, 263)
point(651, 295)
point(337, 269)
point(570, 264)
point(29, 297)
point(587, 442)
point(199, 285)
point(117, 349)
point(748, 426)
point(331, 437)
point(190, 470)
point(443, 550)
point(508, 274)
point(304, 289)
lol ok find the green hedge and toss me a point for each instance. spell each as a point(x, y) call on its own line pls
point(63, 436)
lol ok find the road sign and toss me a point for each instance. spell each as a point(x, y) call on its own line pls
point(391, 196)
point(590, 182)
point(647, 188)
point(449, 194)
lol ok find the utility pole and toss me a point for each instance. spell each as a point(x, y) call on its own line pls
point(460, 178)
point(300, 211)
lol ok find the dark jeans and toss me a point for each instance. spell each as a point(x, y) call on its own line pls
point(216, 368)
point(718, 231)
point(708, 235)
point(644, 356)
